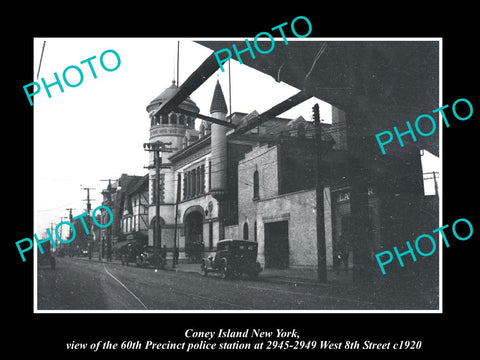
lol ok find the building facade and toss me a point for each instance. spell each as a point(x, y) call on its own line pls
point(258, 186)
point(127, 198)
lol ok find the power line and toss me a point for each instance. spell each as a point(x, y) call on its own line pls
point(57, 207)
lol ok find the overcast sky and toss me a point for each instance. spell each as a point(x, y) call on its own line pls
point(96, 130)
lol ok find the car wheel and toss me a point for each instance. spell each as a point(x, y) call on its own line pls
point(203, 269)
point(225, 271)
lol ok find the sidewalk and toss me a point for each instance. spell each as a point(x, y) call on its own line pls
point(295, 276)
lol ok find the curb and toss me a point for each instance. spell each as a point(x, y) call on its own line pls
point(275, 280)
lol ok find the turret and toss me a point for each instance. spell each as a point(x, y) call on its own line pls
point(173, 127)
point(218, 110)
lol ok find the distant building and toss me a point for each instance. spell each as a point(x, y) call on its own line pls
point(128, 200)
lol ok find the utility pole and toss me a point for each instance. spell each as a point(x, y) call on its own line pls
point(157, 148)
point(108, 232)
point(89, 237)
point(89, 207)
point(109, 181)
point(321, 247)
point(48, 249)
point(60, 244)
point(178, 63)
point(176, 220)
point(61, 220)
point(70, 218)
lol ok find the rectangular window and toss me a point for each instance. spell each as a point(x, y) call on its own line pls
point(256, 185)
point(194, 182)
point(210, 235)
point(202, 179)
point(199, 175)
point(209, 175)
point(185, 185)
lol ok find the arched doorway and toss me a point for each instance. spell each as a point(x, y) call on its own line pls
point(153, 238)
point(193, 220)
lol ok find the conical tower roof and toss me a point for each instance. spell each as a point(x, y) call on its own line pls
point(218, 100)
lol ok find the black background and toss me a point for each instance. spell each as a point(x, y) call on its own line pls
point(47, 334)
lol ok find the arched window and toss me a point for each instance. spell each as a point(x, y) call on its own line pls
point(255, 185)
point(164, 119)
point(181, 119)
point(245, 231)
point(173, 119)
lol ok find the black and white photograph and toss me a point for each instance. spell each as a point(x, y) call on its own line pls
point(185, 182)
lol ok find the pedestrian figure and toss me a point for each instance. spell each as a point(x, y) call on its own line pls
point(156, 259)
point(176, 255)
point(164, 252)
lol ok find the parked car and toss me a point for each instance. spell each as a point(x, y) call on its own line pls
point(129, 253)
point(151, 256)
point(233, 258)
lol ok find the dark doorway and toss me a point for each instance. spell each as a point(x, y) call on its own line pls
point(194, 236)
point(276, 245)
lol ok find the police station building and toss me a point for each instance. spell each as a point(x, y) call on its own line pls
point(258, 186)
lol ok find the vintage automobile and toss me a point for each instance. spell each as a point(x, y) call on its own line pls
point(129, 253)
point(151, 256)
point(233, 258)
